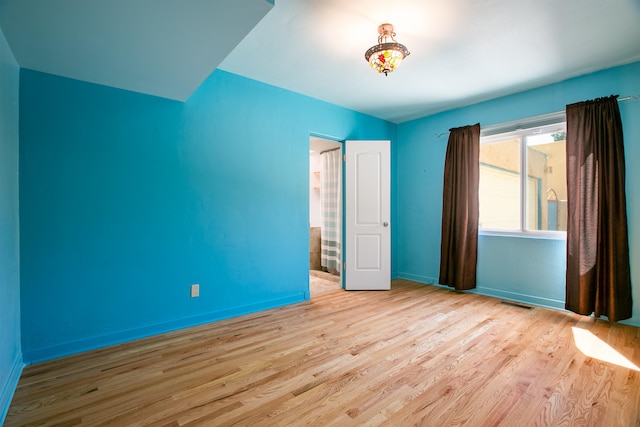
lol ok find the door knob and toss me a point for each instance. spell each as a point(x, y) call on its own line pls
point(386, 224)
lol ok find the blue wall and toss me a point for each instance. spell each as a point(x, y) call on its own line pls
point(523, 269)
point(126, 200)
point(10, 352)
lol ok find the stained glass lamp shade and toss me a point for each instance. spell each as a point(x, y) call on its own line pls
point(387, 55)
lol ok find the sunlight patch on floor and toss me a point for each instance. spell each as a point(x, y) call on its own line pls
point(592, 346)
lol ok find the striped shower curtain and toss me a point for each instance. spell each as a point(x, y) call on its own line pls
point(331, 206)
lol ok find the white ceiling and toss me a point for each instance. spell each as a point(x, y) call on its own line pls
point(318, 145)
point(462, 51)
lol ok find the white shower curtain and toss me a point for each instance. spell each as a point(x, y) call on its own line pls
point(331, 206)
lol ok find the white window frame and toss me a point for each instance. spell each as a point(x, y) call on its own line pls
point(524, 127)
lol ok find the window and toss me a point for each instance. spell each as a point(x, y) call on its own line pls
point(515, 202)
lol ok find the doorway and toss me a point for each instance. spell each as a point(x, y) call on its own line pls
point(325, 215)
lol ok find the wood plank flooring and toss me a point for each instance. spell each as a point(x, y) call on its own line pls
point(415, 355)
point(319, 282)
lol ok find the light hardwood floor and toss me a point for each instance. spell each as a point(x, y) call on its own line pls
point(322, 282)
point(415, 355)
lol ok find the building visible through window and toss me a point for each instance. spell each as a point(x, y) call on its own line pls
point(514, 201)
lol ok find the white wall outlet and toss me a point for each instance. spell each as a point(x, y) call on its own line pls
point(195, 290)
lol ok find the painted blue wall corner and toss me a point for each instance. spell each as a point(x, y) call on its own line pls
point(10, 330)
point(127, 199)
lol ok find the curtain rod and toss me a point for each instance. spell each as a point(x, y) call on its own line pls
point(626, 98)
point(330, 150)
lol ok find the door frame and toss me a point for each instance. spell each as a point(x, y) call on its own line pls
point(341, 143)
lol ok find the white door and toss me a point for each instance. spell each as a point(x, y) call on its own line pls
point(368, 228)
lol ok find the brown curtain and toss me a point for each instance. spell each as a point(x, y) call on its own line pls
point(598, 273)
point(460, 212)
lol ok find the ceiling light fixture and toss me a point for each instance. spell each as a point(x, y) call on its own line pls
point(387, 55)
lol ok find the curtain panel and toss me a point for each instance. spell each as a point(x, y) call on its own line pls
point(331, 211)
point(598, 272)
point(460, 209)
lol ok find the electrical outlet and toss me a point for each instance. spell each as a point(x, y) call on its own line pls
point(195, 290)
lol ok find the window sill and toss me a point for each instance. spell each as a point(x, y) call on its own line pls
point(546, 235)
